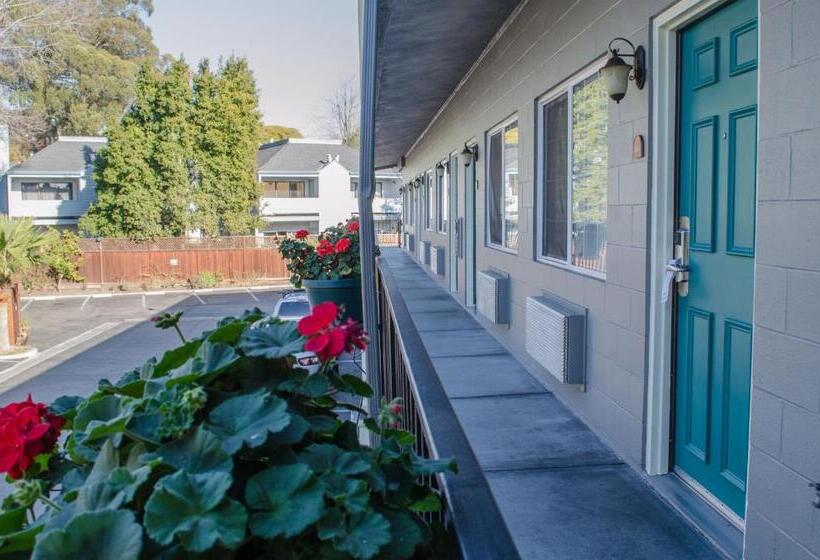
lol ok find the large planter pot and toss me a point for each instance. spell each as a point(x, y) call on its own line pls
point(347, 292)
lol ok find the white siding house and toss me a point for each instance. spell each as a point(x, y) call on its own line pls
point(313, 184)
point(55, 186)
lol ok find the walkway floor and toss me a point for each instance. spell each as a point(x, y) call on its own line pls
point(563, 493)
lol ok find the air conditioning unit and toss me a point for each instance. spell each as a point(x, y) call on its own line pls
point(425, 252)
point(437, 260)
point(556, 337)
point(411, 242)
point(492, 296)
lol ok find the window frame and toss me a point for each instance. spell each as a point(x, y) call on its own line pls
point(487, 158)
point(563, 88)
point(429, 200)
point(72, 188)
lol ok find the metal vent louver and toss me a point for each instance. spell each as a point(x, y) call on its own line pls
point(437, 260)
point(556, 337)
point(491, 298)
point(411, 242)
point(425, 252)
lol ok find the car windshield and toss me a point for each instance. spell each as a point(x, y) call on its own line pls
point(294, 308)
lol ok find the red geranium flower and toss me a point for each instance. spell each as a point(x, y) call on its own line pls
point(27, 429)
point(325, 248)
point(320, 318)
point(301, 234)
point(343, 245)
point(352, 227)
point(355, 335)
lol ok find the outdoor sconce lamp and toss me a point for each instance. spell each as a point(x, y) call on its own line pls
point(440, 170)
point(616, 71)
point(417, 183)
point(470, 154)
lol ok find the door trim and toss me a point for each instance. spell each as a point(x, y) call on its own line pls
point(662, 181)
point(452, 212)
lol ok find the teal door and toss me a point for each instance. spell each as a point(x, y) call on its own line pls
point(716, 192)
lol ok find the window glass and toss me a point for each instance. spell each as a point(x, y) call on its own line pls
point(573, 175)
point(554, 179)
point(441, 201)
point(511, 186)
point(47, 190)
point(428, 197)
point(494, 190)
point(589, 173)
point(297, 188)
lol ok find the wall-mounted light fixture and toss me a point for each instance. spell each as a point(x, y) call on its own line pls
point(616, 71)
point(417, 183)
point(440, 170)
point(470, 154)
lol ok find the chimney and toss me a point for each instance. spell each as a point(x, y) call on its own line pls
point(4, 148)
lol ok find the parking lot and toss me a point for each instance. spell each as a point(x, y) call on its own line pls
point(82, 340)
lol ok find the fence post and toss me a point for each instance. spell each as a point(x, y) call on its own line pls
point(100, 253)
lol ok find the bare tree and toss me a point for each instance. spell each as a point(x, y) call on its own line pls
point(342, 113)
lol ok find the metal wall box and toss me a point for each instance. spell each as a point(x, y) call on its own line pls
point(493, 296)
point(411, 242)
point(437, 260)
point(425, 252)
point(556, 337)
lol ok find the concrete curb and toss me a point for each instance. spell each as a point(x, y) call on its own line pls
point(238, 289)
point(8, 376)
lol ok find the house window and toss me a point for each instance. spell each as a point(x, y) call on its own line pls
point(411, 206)
point(295, 188)
point(502, 186)
point(354, 186)
point(442, 196)
point(47, 190)
point(572, 174)
point(428, 200)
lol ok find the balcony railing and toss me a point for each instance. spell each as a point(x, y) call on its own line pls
point(469, 509)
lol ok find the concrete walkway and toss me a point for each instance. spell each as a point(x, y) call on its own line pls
point(562, 492)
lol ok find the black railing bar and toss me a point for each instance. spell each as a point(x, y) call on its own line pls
point(480, 528)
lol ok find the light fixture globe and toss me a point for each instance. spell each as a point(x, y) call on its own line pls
point(616, 76)
point(440, 170)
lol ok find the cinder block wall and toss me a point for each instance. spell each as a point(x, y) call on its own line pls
point(548, 42)
point(785, 430)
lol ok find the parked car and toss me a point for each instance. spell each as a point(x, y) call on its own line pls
point(292, 306)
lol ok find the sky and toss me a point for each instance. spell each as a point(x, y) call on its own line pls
point(300, 50)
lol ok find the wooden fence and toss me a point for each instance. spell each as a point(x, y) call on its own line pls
point(169, 260)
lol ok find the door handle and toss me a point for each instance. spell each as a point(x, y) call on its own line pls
point(680, 264)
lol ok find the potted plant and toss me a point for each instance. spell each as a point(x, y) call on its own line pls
point(328, 267)
point(221, 448)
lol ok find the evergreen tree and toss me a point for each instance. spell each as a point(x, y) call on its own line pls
point(274, 132)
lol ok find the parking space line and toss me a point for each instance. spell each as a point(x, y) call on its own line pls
point(144, 304)
point(86, 300)
point(26, 305)
point(202, 301)
point(250, 293)
point(7, 376)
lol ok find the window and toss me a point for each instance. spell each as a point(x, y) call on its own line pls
point(442, 196)
point(572, 174)
point(428, 200)
point(502, 186)
point(354, 186)
point(290, 188)
point(47, 190)
point(411, 205)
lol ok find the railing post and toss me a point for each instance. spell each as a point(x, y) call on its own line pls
point(367, 243)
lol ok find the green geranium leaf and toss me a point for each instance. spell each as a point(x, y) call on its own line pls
point(66, 406)
point(193, 509)
point(97, 535)
point(406, 533)
point(358, 386)
point(325, 457)
point(12, 520)
point(402, 437)
point(422, 466)
point(198, 452)
point(228, 333)
point(272, 341)
point(210, 360)
point(102, 417)
point(172, 359)
point(290, 498)
point(248, 419)
point(351, 493)
point(428, 504)
point(365, 534)
point(16, 541)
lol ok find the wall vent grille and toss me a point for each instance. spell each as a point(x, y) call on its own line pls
point(411, 242)
point(556, 337)
point(425, 252)
point(492, 300)
point(437, 260)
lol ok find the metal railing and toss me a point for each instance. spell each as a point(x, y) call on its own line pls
point(469, 509)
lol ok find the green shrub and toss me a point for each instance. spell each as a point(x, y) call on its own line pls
point(221, 447)
point(207, 279)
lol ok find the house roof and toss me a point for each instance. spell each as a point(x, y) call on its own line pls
point(296, 156)
point(68, 154)
point(424, 49)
